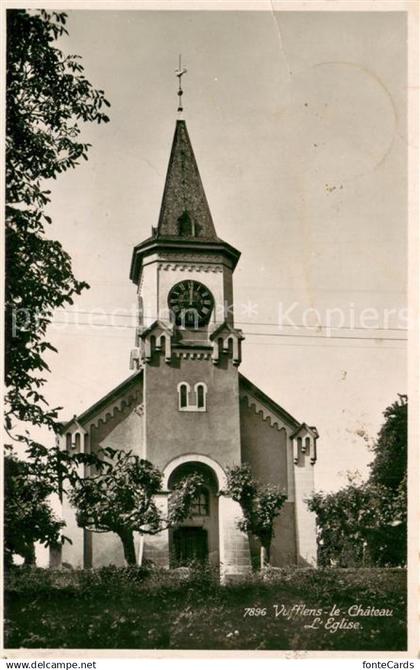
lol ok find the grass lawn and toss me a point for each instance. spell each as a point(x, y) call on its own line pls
point(134, 608)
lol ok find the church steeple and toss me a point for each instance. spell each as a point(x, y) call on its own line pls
point(184, 211)
point(185, 228)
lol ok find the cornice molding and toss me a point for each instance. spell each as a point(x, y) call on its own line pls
point(190, 267)
point(263, 411)
point(117, 407)
point(190, 257)
point(176, 247)
point(192, 355)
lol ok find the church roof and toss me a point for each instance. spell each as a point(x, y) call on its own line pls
point(112, 395)
point(185, 222)
point(253, 390)
point(136, 379)
point(184, 212)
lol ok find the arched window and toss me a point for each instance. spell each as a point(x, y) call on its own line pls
point(307, 444)
point(192, 401)
point(200, 396)
point(201, 503)
point(200, 392)
point(183, 393)
point(186, 226)
point(230, 346)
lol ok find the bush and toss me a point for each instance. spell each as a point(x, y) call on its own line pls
point(153, 608)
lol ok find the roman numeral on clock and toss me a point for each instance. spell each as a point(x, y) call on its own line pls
point(192, 301)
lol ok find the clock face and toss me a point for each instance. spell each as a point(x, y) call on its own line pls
point(191, 303)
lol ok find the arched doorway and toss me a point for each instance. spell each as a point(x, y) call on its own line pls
point(197, 538)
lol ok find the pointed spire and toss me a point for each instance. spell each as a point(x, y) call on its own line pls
point(184, 211)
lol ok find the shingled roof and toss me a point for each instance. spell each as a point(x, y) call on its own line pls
point(185, 222)
point(184, 211)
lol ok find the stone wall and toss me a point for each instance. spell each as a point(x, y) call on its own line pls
point(170, 433)
point(264, 446)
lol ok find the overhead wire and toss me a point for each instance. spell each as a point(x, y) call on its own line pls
point(376, 338)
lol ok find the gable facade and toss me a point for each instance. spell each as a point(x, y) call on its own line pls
point(186, 408)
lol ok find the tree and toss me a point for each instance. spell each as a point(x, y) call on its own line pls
point(28, 518)
point(47, 96)
point(389, 472)
point(260, 504)
point(354, 523)
point(121, 499)
point(389, 467)
point(367, 522)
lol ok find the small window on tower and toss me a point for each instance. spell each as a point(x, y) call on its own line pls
point(183, 396)
point(192, 400)
point(186, 226)
point(200, 390)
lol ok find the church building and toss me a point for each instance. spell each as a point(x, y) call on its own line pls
point(186, 407)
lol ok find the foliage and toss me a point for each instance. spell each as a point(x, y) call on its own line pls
point(356, 525)
point(367, 523)
point(389, 467)
point(181, 499)
point(123, 494)
point(260, 504)
point(130, 608)
point(47, 97)
point(28, 517)
point(121, 499)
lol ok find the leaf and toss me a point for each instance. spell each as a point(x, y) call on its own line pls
point(45, 100)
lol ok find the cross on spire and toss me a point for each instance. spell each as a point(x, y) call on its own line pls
point(180, 73)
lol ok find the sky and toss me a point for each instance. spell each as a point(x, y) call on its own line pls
point(297, 120)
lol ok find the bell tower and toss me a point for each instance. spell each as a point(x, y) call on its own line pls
point(183, 272)
point(189, 350)
point(185, 335)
